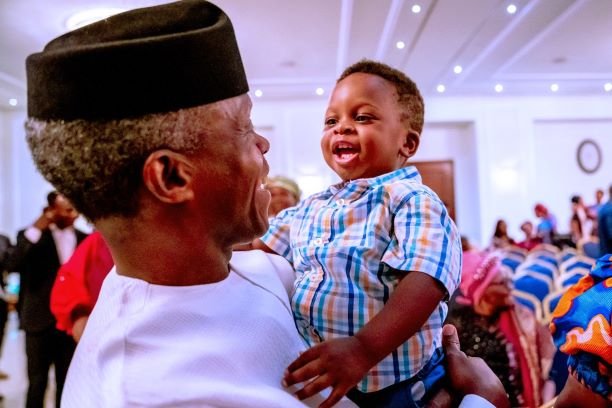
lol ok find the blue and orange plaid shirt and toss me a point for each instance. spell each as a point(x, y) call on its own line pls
point(351, 244)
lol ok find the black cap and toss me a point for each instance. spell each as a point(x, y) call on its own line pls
point(148, 60)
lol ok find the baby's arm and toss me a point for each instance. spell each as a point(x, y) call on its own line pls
point(341, 363)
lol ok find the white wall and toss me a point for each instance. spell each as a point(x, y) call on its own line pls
point(509, 153)
point(555, 147)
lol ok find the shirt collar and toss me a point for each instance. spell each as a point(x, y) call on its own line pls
point(360, 185)
point(56, 230)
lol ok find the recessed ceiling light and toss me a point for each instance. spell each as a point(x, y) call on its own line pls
point(319, 91)
point(608, 86)
point(440, 88)
point(499, 88)
point(258, 93)
point(400, 45)
point(457, 69)
point(416, 9)
point(12, 102)
point(82, 18)
point(554, 87)
point(511, 9)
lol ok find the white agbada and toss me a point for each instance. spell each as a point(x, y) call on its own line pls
point(225, 344)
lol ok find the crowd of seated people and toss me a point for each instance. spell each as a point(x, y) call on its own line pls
point(515, 292)
point(512, 293)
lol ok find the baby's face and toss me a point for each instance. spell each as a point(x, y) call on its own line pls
point(364, 135)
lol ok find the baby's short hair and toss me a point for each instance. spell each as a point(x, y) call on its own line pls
point(409, 96)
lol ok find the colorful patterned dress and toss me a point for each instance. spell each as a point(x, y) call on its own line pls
point(581, 328)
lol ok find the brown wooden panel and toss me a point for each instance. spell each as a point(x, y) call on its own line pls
point(440, 177)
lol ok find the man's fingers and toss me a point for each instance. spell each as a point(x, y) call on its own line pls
point(450, 339)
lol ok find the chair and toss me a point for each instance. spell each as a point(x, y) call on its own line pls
point(567, 253)
point(506, 270)
point(538, 266)
point(517, 252)
point(591, 249)
point(534, 283)
point(579, 261)
point(530, 301)
point(571, 278)
point(550, 302)
point(511, 262)
point(550, 249)
point(544, 256)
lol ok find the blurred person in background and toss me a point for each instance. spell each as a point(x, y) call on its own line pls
point(531, 240)
point(581, 225)
point(500, 238)
point(6, 248)
point(547, 227)
point(41, 249)
point(594, 208)
point(505, 335)
point(285, 193)
point(604, 226)
point(78, 284)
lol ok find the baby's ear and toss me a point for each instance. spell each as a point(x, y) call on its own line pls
point(411, 144)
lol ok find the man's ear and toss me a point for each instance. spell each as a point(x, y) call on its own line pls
point(411, 144)
point(168, 176)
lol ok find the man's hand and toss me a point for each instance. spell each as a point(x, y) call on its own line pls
point(46, 218)
point(471, 375)
point(78, 327)
point(338, 363)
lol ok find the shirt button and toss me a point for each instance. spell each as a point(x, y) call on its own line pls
point(318, 241)
point(341, 201)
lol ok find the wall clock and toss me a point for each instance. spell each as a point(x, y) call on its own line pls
point(589, 156)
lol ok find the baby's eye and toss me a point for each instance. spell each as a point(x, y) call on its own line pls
point(363, 118)
point(330, 122)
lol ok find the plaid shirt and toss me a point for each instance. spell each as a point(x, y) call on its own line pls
point(351, 244)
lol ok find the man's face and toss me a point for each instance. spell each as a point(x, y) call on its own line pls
point(527, 228)
point(64, 213)
point(363, 132)
point(231, 172)
point(498, 292)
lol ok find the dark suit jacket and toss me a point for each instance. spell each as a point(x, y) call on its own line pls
point(37, 264)
point(5, 251)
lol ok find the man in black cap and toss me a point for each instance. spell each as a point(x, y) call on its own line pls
point(143, 122)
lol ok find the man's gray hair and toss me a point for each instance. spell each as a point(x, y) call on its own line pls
point(98, 165)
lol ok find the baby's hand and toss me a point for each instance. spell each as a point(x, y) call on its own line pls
point(339, 363)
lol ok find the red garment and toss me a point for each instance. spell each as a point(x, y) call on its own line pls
point(509, 327)
point(530, 243)
point(79, 280)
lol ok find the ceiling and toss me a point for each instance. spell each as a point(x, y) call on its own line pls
point(292, 47)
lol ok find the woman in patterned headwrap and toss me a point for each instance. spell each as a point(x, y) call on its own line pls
point(581, 328)
point(505, 335)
